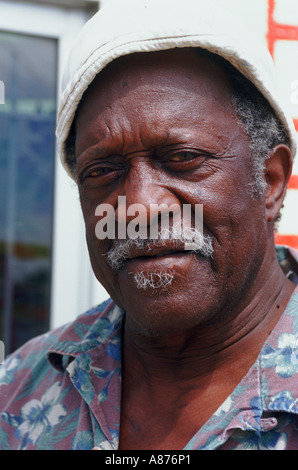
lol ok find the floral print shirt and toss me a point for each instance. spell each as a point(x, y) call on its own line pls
point(62, 390)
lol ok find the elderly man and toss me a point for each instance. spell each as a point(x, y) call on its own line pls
point(197, 347)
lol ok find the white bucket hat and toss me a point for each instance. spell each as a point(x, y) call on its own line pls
point(123, 27)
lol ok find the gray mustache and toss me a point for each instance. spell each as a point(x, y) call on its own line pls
point(192, 239)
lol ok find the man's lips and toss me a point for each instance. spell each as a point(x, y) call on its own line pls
point(155, 251)
point(156, 258)
point(158, 261)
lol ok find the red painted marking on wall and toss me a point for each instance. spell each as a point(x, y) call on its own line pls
point(293, 183)
point(278, 31)
point(288, 240)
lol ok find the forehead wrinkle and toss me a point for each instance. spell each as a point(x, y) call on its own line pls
point(123, 127)
point(163, 141)
point(148, 131)
point(133, 114)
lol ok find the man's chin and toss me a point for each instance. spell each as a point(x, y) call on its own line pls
point(154, 328)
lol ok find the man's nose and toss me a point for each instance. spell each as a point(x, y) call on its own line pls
point(146, 196)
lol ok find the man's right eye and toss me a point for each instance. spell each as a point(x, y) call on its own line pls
point(97, 172)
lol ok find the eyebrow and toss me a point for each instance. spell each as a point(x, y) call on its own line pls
point(190, 136)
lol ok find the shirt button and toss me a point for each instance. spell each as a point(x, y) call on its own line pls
point(267, 424)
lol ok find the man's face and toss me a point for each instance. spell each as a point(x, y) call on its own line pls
point(160, 128)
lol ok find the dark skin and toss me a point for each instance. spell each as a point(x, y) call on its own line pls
point(160, 128)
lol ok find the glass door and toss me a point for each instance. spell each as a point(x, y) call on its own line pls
point(28, 71)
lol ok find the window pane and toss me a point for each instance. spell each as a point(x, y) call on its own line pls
point(28, 68)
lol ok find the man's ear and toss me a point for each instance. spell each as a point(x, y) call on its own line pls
point(278, 172)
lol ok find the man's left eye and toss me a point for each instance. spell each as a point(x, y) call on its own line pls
point(182, 157)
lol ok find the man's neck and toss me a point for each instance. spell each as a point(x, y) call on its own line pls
point(196, 352)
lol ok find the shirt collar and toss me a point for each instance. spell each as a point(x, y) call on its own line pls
point(279, 362)
point(270, 386)
point(93, 329)
point(279, 355)
point(90, 351)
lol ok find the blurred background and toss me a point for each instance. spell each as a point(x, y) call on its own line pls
point(45, 275)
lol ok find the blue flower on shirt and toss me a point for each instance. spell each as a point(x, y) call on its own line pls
point(7, 372)
point(284, 357)
point(271, 440)
point(37, 416)
point(284, 401)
